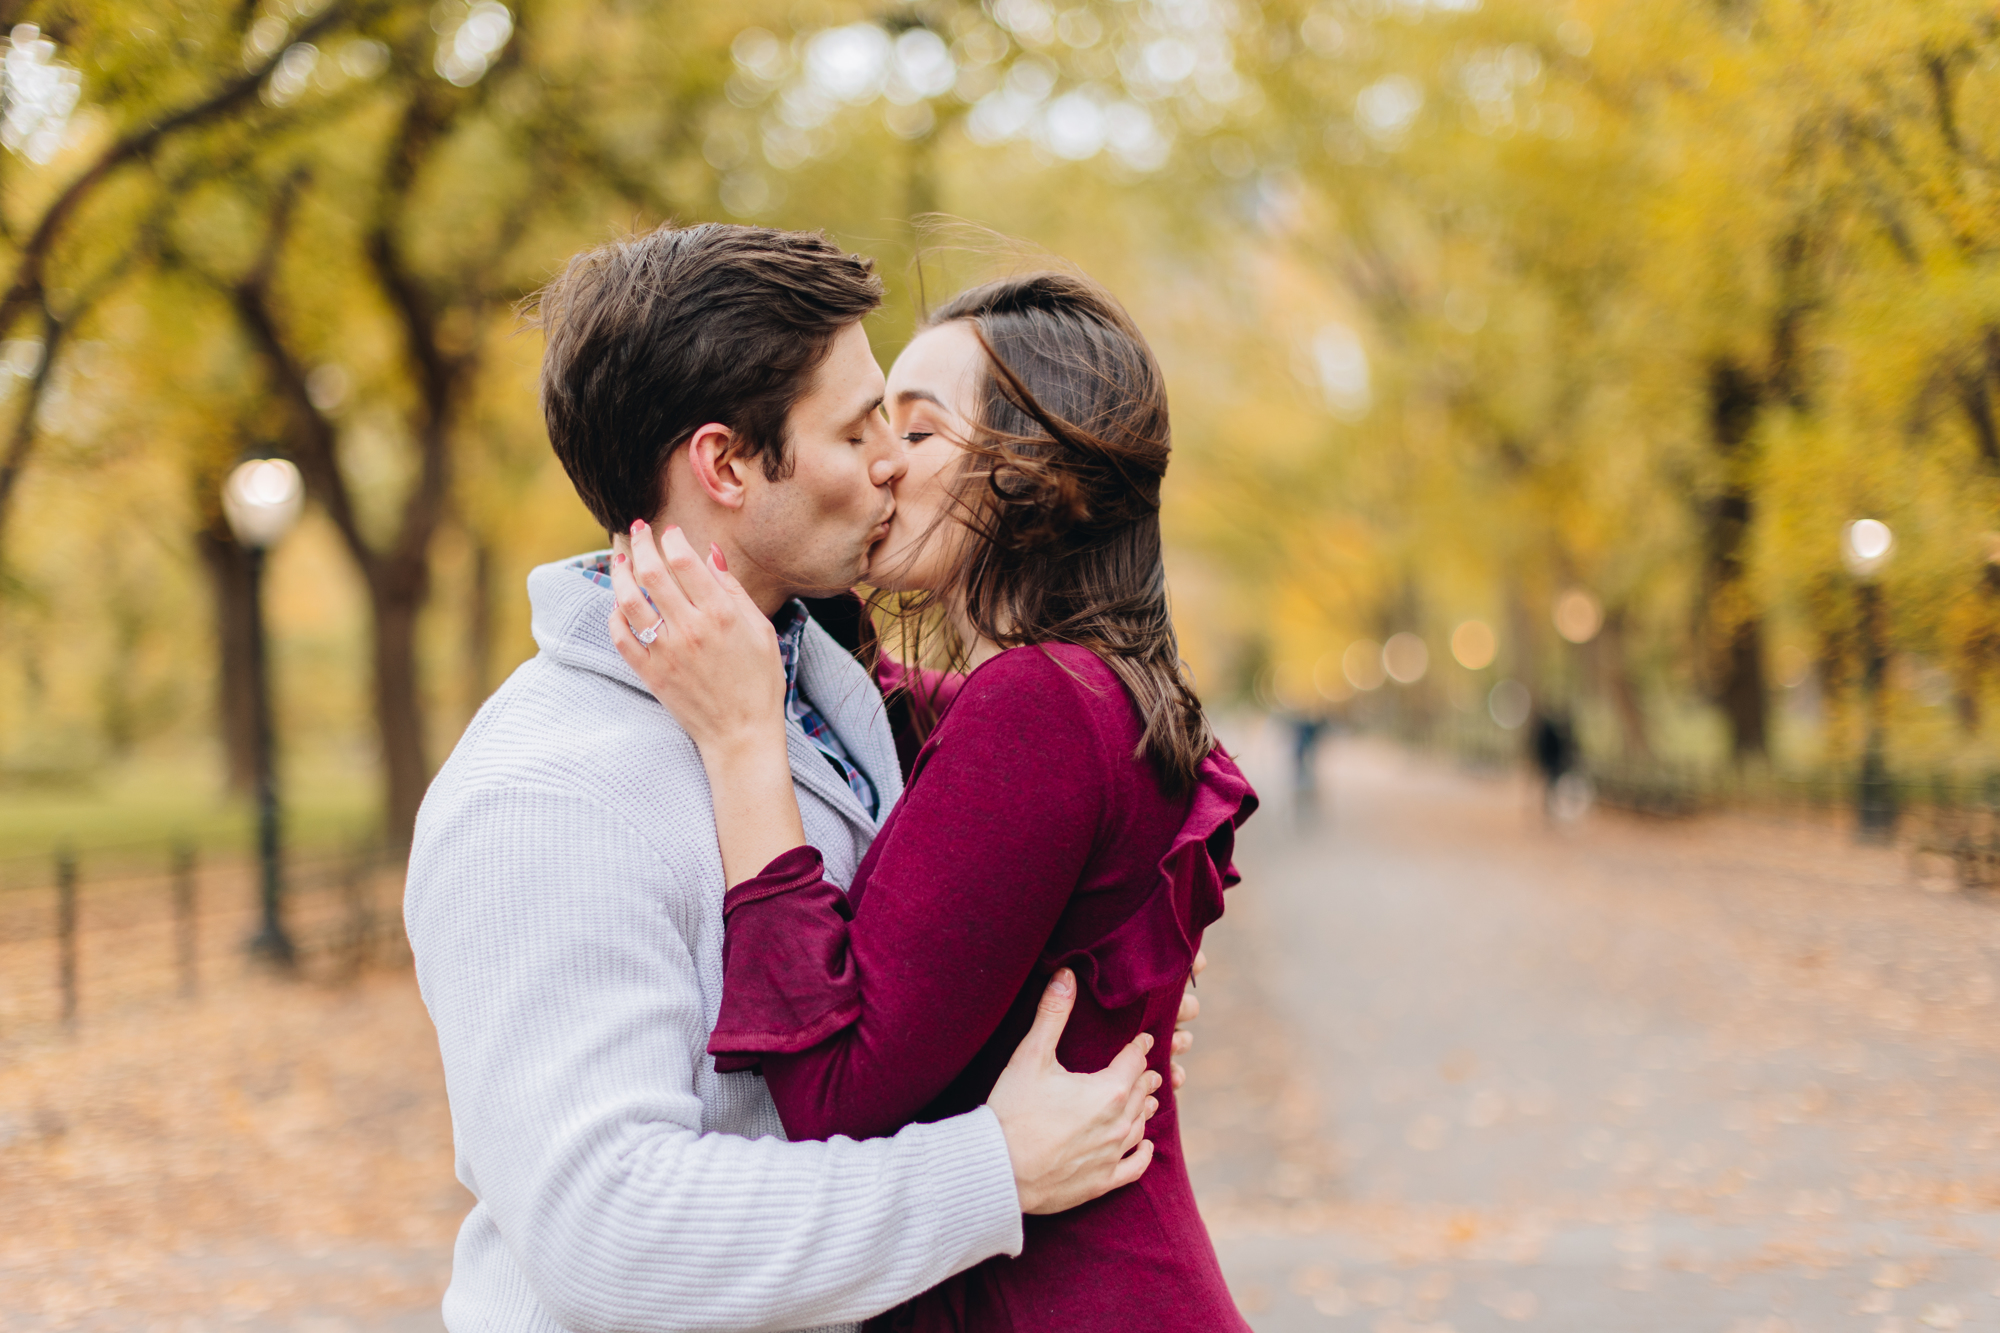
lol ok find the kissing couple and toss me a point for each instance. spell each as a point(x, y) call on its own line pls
point(759, 960)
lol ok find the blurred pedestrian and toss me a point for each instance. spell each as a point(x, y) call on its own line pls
point(1307, 729)
point(1554, 744)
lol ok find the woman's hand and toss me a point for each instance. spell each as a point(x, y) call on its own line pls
point(712, 660)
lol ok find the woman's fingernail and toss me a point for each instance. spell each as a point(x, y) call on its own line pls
point(715, 553)
point(638, 524)
point(671, 527)
point(618, 558)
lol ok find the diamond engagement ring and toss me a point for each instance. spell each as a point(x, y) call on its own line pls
point(650, 633)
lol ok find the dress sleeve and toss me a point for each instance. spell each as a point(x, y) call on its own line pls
point(859, 1024)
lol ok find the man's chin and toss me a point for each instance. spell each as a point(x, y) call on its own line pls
point(871, 564)
point(833, 582)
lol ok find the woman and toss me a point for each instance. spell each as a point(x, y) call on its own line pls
point(1069, 809)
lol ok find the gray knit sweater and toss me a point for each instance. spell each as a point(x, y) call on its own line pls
point(565, 906)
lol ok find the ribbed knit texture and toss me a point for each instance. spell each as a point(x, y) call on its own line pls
point(565, 908)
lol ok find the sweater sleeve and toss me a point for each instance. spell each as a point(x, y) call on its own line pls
point(963, 890)
point(553, 955)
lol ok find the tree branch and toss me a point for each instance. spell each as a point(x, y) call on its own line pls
point(425, 120)
point(24, 288)
point(21, 441)
point(1944, 97)
point(314, 439)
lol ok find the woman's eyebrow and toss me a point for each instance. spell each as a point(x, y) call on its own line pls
point(917, 396)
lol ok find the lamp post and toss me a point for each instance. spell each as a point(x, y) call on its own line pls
point(1865, 545)
point(261, 500)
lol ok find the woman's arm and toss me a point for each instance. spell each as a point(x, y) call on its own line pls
point(714, 664)
point(963, 891)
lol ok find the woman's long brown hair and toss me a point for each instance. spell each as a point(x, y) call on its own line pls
point(1060, 493)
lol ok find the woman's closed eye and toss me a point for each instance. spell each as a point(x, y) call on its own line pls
point(918, 436)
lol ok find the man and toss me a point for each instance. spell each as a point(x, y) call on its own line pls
point(565, 889)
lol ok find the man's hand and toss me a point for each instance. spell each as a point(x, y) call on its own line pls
point(1184, 1020)
point(1069, 1134)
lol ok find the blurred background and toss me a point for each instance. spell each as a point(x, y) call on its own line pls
point(1584, 411)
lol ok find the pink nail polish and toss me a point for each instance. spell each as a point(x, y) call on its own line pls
point(618, 558)
point(638, 524)
point(721, 562)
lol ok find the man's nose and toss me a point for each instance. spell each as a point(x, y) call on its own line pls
point(892, 462)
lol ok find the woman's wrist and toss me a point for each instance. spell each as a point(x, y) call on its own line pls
point(756, 810)
point(746, 752)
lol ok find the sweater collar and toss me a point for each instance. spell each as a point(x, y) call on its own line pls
point(570, 609)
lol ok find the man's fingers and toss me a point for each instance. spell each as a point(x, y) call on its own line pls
point(1183, 1042)
point(1134, 1166)
point(1134, 1133)
point(1200, 962)
point(1179, 1075)
point(1051, 1016)
point(1190, 1007)
point(1139, 1094)
point(1129, 1066)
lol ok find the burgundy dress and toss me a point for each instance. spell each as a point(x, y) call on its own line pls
point(1031, 837)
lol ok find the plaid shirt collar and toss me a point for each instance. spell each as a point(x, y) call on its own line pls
point(790, 622)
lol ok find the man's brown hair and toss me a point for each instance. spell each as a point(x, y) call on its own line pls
point(651, 338)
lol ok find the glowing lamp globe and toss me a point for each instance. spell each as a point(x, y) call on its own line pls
point(1865, 545)
point(262, 500)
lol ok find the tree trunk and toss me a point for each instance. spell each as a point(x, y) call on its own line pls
point(1731, 627)
point(1613, 656)
point(1522, 660)
point(396, 598)
point(1743, 696)
point(228, 568)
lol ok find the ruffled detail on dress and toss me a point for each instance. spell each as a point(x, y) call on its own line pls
point(1153, 949)
point(789, 980)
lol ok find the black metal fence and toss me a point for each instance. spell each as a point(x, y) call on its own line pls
point(89, 935)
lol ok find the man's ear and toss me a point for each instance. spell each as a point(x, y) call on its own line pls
point(716, 459)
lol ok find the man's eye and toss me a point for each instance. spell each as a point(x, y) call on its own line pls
point(918, 436)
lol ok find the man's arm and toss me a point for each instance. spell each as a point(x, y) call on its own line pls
point(557, 971)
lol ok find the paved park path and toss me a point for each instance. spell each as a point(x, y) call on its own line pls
point(1458, 1070)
